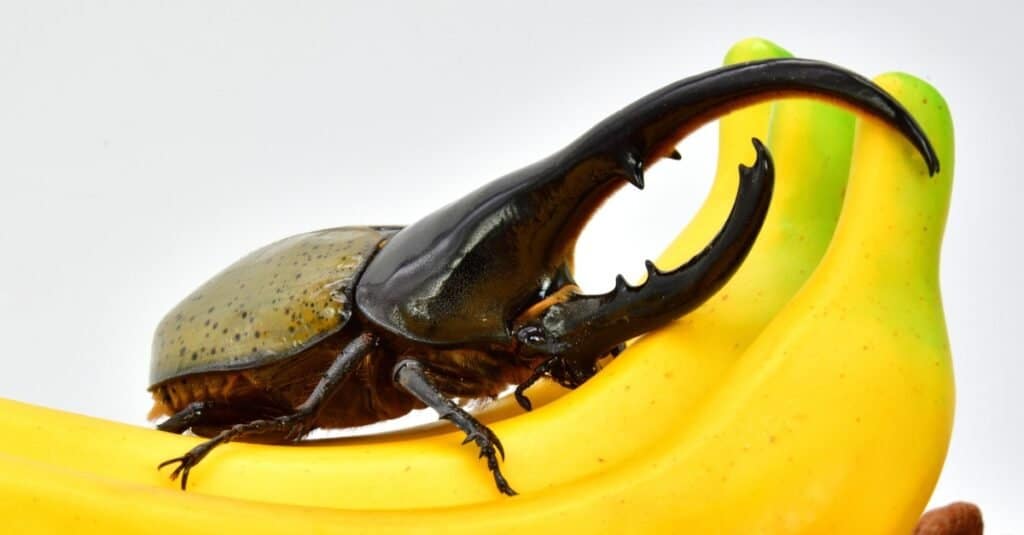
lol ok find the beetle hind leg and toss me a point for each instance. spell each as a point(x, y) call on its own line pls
point(208, 418)
point(410, 375)
point(184, 419)
point(289, 427)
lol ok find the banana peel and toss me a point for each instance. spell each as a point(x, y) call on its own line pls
point(707, 466)
point(359, 472)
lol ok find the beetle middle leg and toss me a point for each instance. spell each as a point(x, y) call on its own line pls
point(291, 426)
point(410, 375)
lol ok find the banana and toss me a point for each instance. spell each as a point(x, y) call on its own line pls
point(774, 444)
point(687, 359)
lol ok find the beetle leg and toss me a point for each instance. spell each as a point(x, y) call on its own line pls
point(293, 426)
point(538, 372)
point(203, 416)
point(410, 375)
point(195, 412)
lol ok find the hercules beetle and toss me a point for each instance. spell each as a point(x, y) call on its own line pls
point(352, 325)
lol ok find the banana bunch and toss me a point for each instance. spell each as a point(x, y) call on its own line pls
point(813, 394)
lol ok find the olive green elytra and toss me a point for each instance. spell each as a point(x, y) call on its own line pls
point(271, 304)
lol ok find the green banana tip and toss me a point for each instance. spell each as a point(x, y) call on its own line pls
point(754, 48)
point(930, 112)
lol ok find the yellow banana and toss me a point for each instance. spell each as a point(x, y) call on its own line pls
point(687, 359)
point(102, 475)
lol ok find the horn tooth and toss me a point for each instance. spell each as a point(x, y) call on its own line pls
point(674, 155)
point(620, 283)
point(633, 167)
point(652, 269)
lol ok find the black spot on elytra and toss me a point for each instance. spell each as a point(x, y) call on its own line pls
point(238, 337)
point(195, 355)
point(244, 315)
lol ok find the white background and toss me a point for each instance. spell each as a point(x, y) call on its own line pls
point(144, 146)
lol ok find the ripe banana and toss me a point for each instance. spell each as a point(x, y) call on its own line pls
point(688, 359)
point(720, 471)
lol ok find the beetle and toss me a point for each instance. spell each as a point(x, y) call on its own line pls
point(352, 325)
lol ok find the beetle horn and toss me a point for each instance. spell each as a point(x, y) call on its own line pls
point(464, 273)
point(584, 327)
point(647, 130)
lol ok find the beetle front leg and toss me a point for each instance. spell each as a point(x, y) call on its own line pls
point(540, 371)
point(410, 375)
point(294, 425)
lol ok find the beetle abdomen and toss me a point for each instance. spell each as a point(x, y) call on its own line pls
point(367, 396)
point(174, 395)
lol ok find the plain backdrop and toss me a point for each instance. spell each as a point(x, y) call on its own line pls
point(144, 146)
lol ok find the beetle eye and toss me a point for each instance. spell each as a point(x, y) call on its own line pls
point(532, 336)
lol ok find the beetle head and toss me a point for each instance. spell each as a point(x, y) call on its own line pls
point(579, 329)
point(570, 366)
